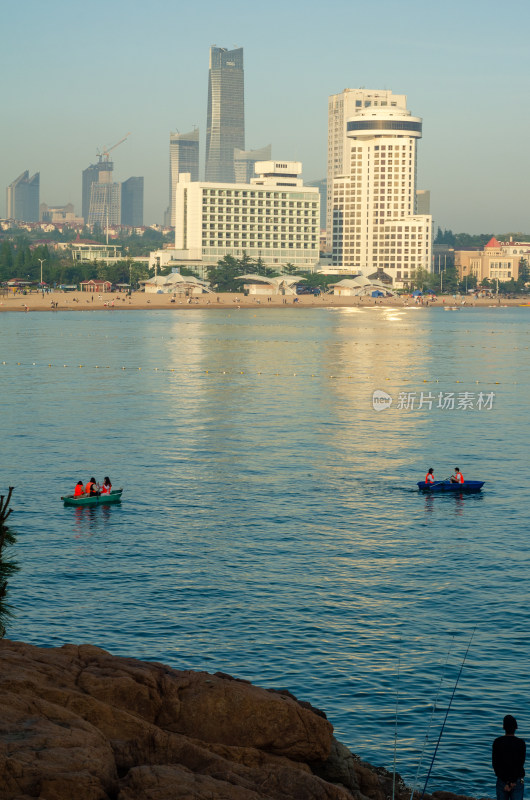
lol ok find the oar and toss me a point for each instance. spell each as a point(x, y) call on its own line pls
point(437, 483)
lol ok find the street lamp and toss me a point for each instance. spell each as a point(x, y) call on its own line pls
point(41, 263)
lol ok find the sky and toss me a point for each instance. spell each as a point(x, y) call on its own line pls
point(78, 76)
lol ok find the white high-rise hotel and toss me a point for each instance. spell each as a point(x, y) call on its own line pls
point(373, 186)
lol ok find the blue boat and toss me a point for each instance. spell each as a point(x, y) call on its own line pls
point(448, 486)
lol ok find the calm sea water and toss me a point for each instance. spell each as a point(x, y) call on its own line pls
point(270, 526)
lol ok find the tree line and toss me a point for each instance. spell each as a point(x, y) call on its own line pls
point(469, 241)
point(18, 260)
point(227, 274)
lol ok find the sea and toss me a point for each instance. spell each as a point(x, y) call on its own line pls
point(271, 526)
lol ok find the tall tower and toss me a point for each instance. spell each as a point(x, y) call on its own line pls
point(90, 176)
point(375, 224)
point(226, 113)
point(132, 202)
point(105, 198)
point(23, 198)
point(183, 157)
point(340, 107)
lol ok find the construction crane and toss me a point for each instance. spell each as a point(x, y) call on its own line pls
point(104, 156)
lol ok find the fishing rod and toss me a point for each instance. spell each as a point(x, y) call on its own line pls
point(395, 725)
point(434, 706)
point(446, 715)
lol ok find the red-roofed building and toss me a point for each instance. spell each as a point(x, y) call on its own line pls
point(493, 242)
point(497, 261)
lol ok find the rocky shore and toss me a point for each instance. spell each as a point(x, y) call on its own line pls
point(77, 723)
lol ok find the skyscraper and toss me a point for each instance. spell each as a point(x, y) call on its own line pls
point(132, 202)
point(376, 227)
point(105, 198)
point(183, 157)
point(226, 113)
point(340, 107)
point(23, 198)
point(101, 204)
point(245, 161)
point(90, 176)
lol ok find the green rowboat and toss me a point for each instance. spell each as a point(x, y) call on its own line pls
point(95, 500)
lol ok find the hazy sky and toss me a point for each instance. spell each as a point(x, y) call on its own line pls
point(77, 76)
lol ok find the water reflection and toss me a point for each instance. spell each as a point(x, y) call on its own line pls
point(454, 502)
point(91, 519)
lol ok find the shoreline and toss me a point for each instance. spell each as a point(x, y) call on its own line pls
point(77, 301)
point(101, 725)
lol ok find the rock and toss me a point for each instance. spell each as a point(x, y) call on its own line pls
point(339, 767)
point(77, 723)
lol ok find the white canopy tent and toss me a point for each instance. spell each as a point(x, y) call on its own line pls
point(175, 283)
point(279, 285)
point(359, 287)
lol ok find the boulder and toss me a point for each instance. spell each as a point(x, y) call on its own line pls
point(77, 723)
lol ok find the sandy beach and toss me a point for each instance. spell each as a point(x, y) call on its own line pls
point(80, 301)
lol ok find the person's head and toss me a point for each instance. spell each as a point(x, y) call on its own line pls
point(92, 480)
point(456, 469)
point(106, 479)
point(509, 724)
point(431, 470)
point(79, 483)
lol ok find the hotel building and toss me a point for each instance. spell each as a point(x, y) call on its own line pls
point(341, 107)
point(375, 224)
point(274, 217)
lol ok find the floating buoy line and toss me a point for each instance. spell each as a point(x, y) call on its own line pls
point(234, 372)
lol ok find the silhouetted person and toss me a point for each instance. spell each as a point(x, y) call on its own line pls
point(507, 756)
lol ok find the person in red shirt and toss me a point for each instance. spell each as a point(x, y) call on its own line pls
point(106, 487)
point(91, 488)
point(78, 491)
point(429, 478)
point(457, 477)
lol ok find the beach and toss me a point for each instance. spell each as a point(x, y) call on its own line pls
point(82, 301)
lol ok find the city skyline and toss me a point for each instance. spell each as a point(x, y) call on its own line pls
point(445, 67)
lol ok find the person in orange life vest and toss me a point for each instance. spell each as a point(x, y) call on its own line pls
point(429, 478)
point(457, 477)
point(91, 488)
point(78, 491)
point(106, 487)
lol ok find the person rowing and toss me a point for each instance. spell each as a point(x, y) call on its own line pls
point(457, 477)
point(429, 478)
point(91, 488)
